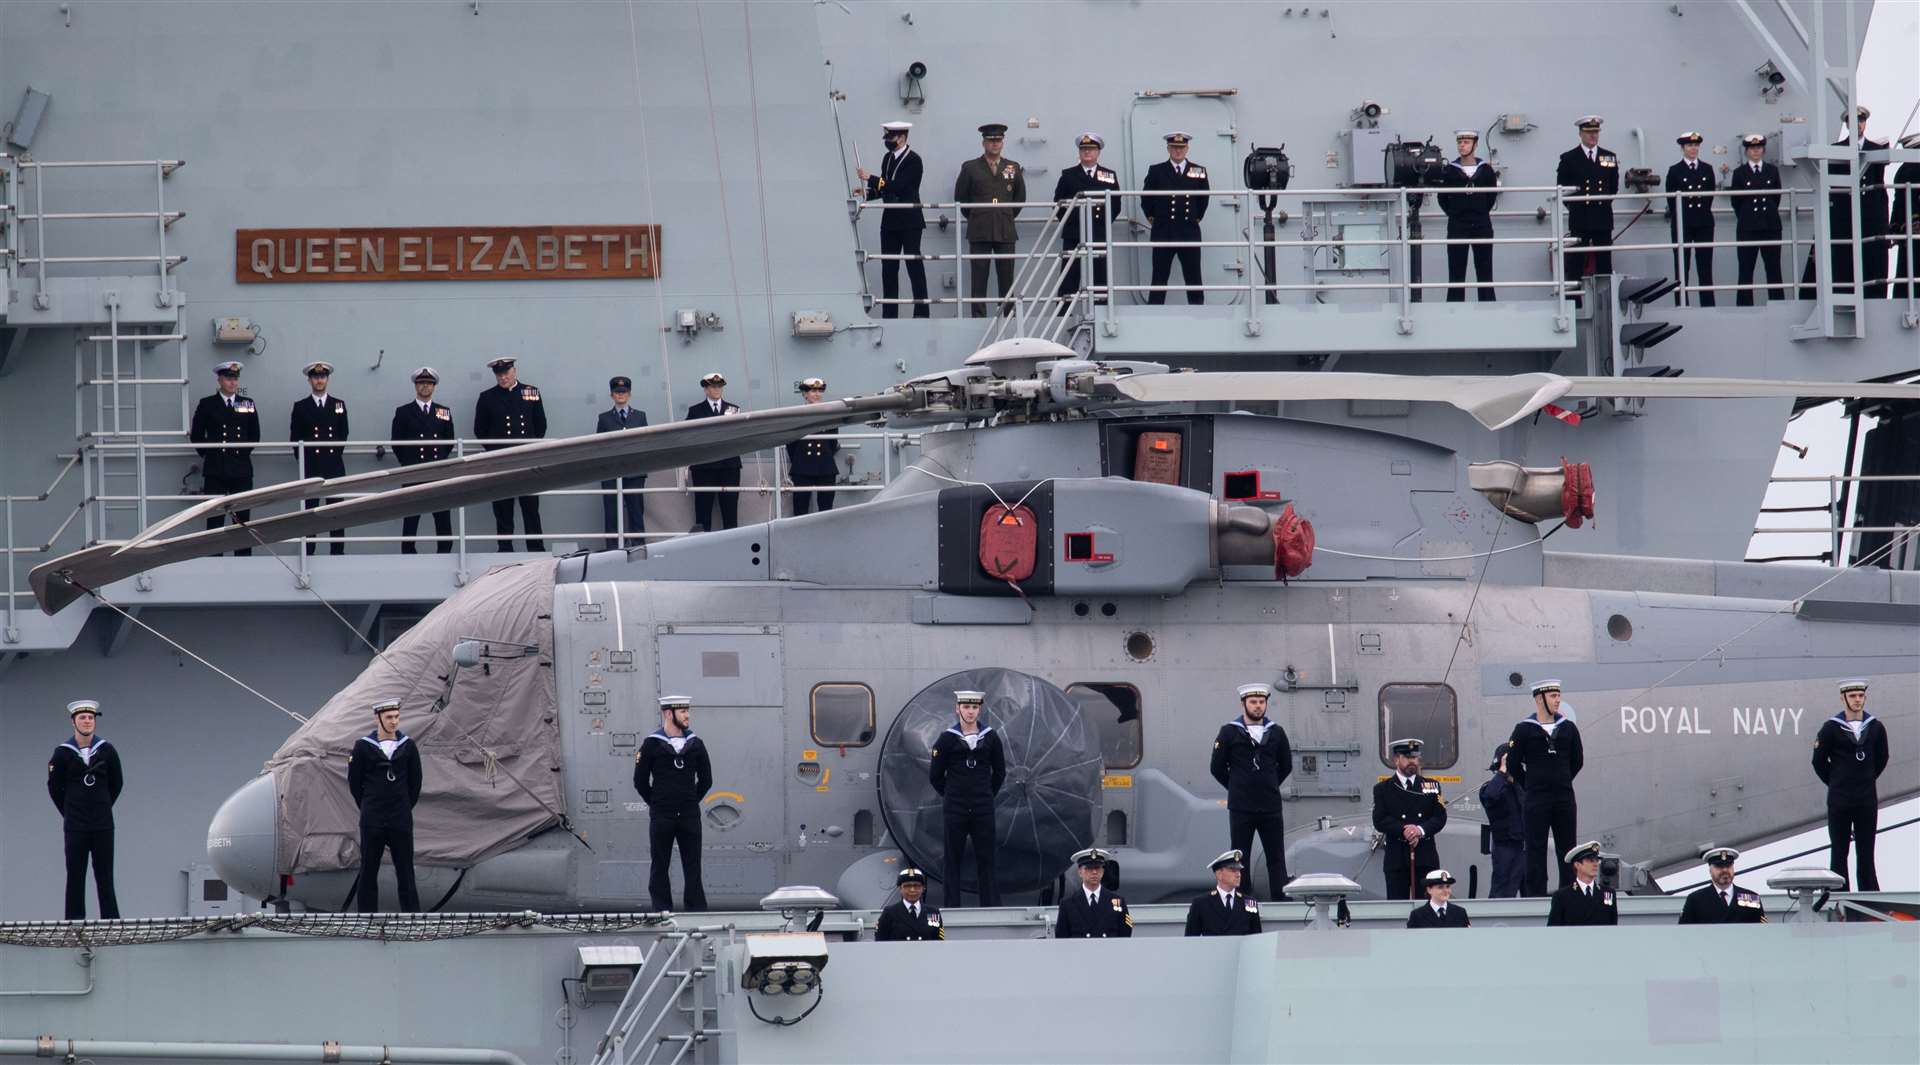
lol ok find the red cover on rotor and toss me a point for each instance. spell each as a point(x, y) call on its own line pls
point(1008, 542)
point(1576, 493)
point(1292, 544)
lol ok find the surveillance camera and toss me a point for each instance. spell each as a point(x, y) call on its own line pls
point(916, 69)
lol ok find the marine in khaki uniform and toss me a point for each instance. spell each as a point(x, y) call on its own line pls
point(990, 179)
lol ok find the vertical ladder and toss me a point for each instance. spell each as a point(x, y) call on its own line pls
point(121, 373)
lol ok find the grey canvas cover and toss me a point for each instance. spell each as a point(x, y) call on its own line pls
point(498, 725)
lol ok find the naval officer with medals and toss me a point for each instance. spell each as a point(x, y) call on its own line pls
point(507, 413)
point(423, 419)
point(1588, 170)
point(84, 781)
point(1251, 759)
point(226, 417)
point(1849, 754)
point(383, 775)
point(1091, 911)
point(1409, 811)
point(967, 768)
point(672, 773)
point(1226, 910)
point(1176, 218)
point(1722, 901)
point(912, 919)
point(1439, 911)
point(1584, 901)
point(1544, 755)
point(991, 179)
point(1089, 179)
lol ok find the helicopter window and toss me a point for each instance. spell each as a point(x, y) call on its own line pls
point(842, 715)
point(1113, 712)
point(1428, 712)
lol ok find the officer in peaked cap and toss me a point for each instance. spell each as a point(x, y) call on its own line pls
point(992, 230)
point(1225, 910)
point(1409, 811)
point(321, 417)
point(1545, 755)
point(1439, 911)
point(673, 773)
point(1469, 215)
point(84, 781)
point(967, 768)
point(901, 222)
point(1721, 901)
point(1873, 218)
point(1176, 218)
point(632, 505)
point(226, 417)
point(1756, 219)
point(1589, 170)
point(1690, 218)
point(1584, 901)
point(1904, 224)
point(423, 419)
point(1086, 178)
point(1251, 759)
point(1090, 911)
point(721, 476)
point(912, 918)
point(511, 411)
point(1506, 832)
point(384, 776)
point(1849, 754)
point(810, 460)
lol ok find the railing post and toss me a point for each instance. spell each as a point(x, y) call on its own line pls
point(1256, 317)
point(12, 632)
point(1406, 264)
point(960, 264)
point(460, 528)
point(1834, 518)
point(1557, 260)
point(305, 578)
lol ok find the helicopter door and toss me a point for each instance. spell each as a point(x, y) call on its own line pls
point(733, 675)
point(1209, 118)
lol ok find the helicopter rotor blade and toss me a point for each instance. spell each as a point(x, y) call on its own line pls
point(1495, 402)
point(1732, 388)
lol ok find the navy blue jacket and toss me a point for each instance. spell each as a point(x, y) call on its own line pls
point(1252, 773)
point(385, 787)
point(84, 790)
point(1501, 799)
point(967, 780)
point(671, 783)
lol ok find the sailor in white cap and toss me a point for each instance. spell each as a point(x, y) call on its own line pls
point(1722, 901)
point(1544, 755)
point(1086, 179)
point(718, 480)
point(1177, 217)
point(1439, 911)
point(507, 413)
point(84, 781)
point(1469, 215)
point(1589, 170)
point(810, 460)
point(673, 773)
point(1225, 910)
point(902, 222)
point(221, 419)
point(1251, 759)
point(1092, 911)
point(384, 777)
point(321, 418)
point(1849, 754)
point(1583, 900)
point(912, 919)
point(1409, 811)
point(967, 768)
point(1690, 218)
point(422, 419)
point(1756, 219)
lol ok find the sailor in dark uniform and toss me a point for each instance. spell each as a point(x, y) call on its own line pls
point(1409, 811)
point(84, 781)
point(721, 476)
point(1545, 756)
point(321, 417)
point(509, 412)
point(990, 179)
point(1583, 901)
point(632, 505)
point(1756, 218)
point(1589, 170)
point(810, 462)
point(384, 776)
point(1439, 911)
point(901, 227)
point(1849, 755)
point(673, 774)
point(226, 417)
point(1176, 218)
point(1226, 910)
point(1090, 911)
point(1469, 216)
point(1251, 759)
point(423, 419)
point(1088, 178)
point(1690, 218)
point(1723, 901)
point(912, 919)
point(1506, 830)
point(967, 768)
point(1873, 220)
point(1904, 225)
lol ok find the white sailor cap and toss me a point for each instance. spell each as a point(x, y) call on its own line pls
point(811, 384)
point(227, 369)
point(385, 705)
point(1546, 686)
point(975, 698)
point(1179, 136)
point(1090, 140)
point(501, 362)
point(714, 378)
point(1855, 685)
point(910, 875)
point(1090, 856)
point(1689, 137)
point(1862, 113)
point(83, 706)
point(896, 126)
point(318, 368)
point(1232, 859)
point(1264, 691)
point(1721, 856)
point(1407, 747)
point(674, 702)
point(1466, 134)
point(1440, 876)
point(427, 373)
point(1588, 122)
point(1754, 140)
point(1589, 849)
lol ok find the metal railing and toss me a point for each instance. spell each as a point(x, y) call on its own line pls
point(685, 959)
point(36, 255)
point(1836, 528)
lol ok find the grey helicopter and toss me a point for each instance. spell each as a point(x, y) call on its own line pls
point(1106, 549)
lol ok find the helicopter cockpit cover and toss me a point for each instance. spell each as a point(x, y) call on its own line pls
point(497, 727)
